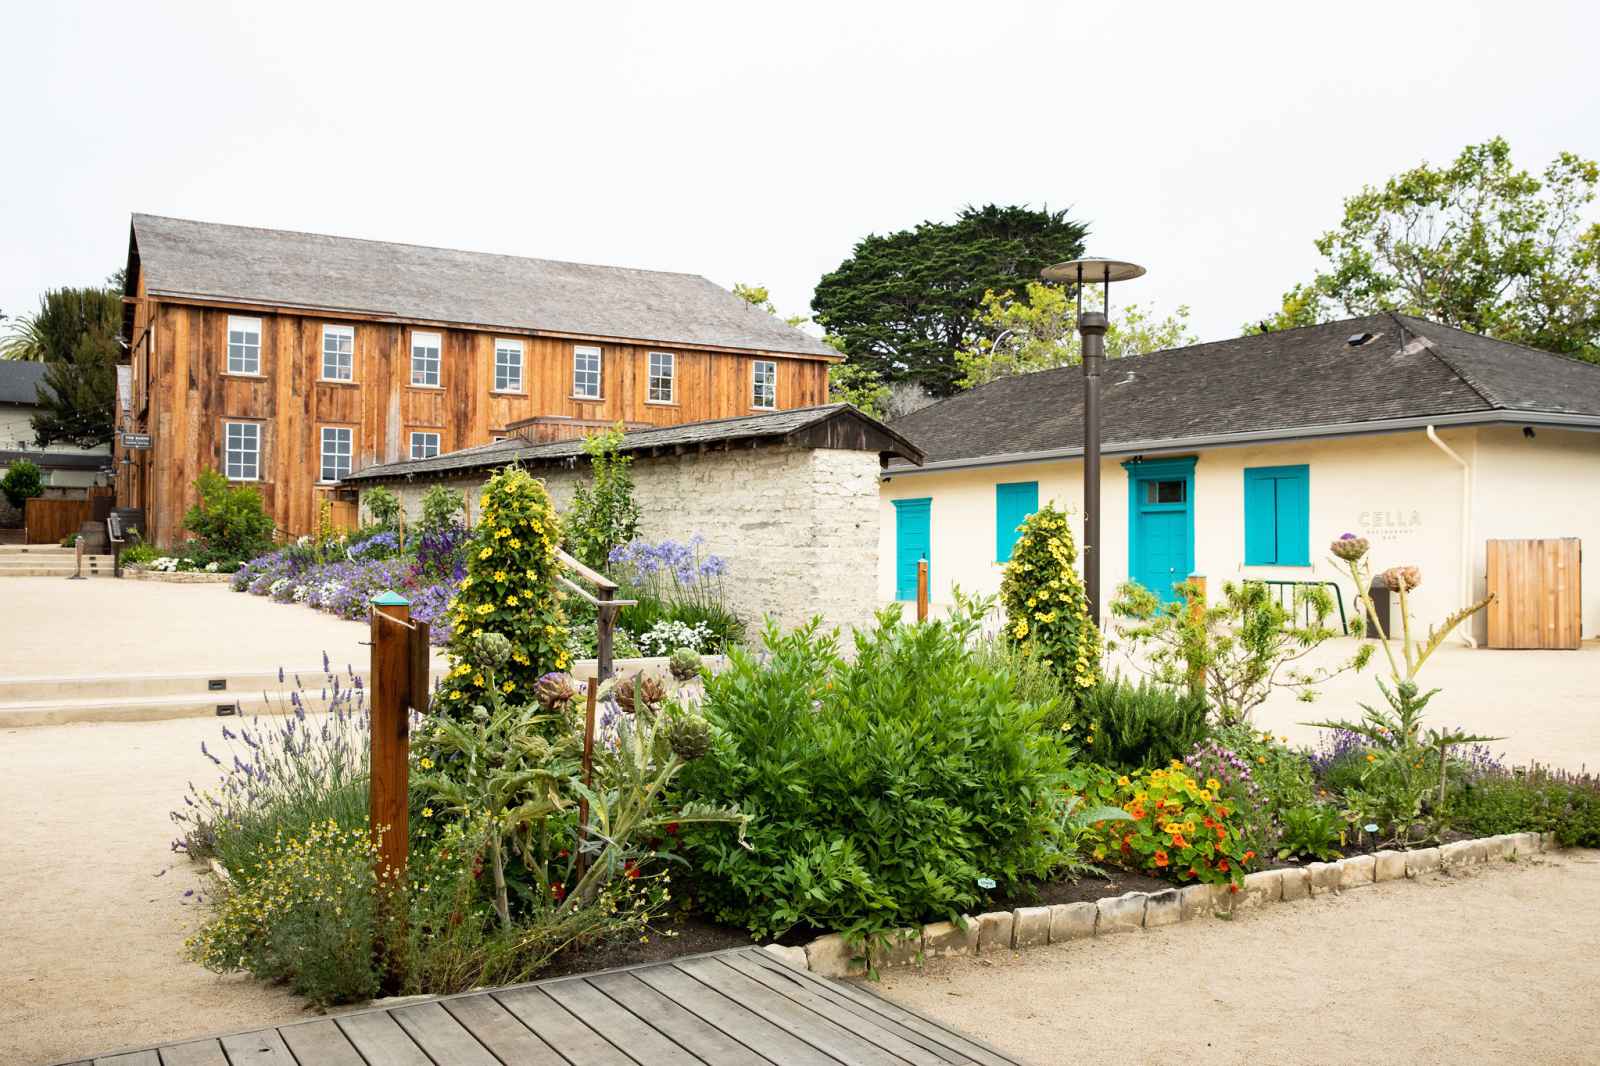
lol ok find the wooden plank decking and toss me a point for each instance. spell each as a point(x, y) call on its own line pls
point(730, 1008)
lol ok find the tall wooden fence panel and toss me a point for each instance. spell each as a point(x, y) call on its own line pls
point(49, 520)
point(1537, 586)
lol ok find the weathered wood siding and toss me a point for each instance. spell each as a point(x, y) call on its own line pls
point(191, 395)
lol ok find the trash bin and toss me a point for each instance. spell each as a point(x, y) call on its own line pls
point(1380, 607)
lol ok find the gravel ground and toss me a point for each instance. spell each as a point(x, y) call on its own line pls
point(94, 915)
point(1497, 964)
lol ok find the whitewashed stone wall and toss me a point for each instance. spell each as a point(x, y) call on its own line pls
point(798, 526)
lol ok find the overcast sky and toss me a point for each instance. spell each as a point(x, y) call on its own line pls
point(758, 142)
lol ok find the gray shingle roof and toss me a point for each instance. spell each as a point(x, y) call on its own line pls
point(204, 259)
point(1269, 386)
point(861, 431)
point(19, 382)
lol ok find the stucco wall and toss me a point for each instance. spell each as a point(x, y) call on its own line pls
point(798, 527)
point(1398, 490)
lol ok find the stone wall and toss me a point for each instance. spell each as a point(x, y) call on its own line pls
point(797, 526)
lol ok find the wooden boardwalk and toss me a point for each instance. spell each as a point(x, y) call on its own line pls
point(740, 1008)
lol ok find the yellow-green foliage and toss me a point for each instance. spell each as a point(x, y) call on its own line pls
point(510, 589)
point(1043, 597)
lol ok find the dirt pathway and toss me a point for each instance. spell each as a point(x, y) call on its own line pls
point(92, 906)
point(1498, 965)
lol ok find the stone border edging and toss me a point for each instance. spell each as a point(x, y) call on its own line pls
point(1025, 927)
point(175, 577)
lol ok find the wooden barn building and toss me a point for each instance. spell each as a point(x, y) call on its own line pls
point(288, 360)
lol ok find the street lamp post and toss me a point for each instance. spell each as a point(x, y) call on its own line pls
point(1092, 328)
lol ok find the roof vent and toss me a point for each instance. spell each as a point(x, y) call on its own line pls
point(1356, 340)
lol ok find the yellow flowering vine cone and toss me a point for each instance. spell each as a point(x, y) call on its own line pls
point(1045, 605)
point(511, 590)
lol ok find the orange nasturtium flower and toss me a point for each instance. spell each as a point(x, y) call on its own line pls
point(1161, 858)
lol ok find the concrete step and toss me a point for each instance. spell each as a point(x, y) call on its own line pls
point(8, 550)
point(222, 684)
point(148, 708)
point(45, 571)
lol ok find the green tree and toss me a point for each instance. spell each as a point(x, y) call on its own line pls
point(1038, 331)
point(853, 384)
point(1477, 244)
point(75, 332)
point(603, 513)
point(904, 303)
point(758, 296)
point(22, 482)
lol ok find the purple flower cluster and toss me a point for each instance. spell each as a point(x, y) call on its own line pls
point(346, 587)
point(1336, 746)
point(683, 561)
point(377, 546)
point(441, 555)
point(431, 604)
point(1210, 759)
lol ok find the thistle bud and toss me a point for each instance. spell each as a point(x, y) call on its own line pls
point(689, 737)
point(1350, 547)
point(1397, 577)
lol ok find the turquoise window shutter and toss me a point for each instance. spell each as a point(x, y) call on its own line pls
point(911, 542)
point(1013, 503)
point(1277, 516)
point(1294, 518)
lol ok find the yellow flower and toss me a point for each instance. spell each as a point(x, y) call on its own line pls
point(1123, 780)
point(486, 553)
point(484, 608)
point(1213, 784)
point(511, 601)
point(427, 812)
point(426, 764)
point(516, 542)
point(499, 575)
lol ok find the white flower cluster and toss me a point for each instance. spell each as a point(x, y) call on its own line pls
point(664, 638)
point(278, 586)
point(168, 564)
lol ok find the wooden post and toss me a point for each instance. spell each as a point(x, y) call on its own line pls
point(590, 696)
point(922, 590)
point(606, 625)
point(391, 679)
point(1195, 593)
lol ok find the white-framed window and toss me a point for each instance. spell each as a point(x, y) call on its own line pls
point(663, 377)
point(336, 441)
point(244, 345)
point(241, 451)
point(338, 353)
point(764, 384)
point(586, 372)
point(425, 348)
point(424, 445)
point(507, 365)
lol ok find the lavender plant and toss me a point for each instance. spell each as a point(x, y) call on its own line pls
point(284, 772)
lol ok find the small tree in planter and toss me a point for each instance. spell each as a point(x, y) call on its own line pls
point(1238, 650)
point(1044, 600)
point(1402, 759)
point(510, 589)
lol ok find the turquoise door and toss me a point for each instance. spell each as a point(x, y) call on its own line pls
point(912, 543)
point(1161, 524)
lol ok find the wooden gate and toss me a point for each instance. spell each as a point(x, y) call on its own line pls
point(50, 519)
point(1537, 587)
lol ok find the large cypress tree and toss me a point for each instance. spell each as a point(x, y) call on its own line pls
point(75, 333)
point(905, 302)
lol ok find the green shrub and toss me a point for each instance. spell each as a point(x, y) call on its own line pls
point(1312, 831)
point(383, 505)
point(1134, 727)
point(441, 508)
point(228, 520)
point(134, 554)
point(894, 788)
point(1045, 603)
point(510, 589)
point(23, 481)
point(1531, 800)
point(603, 514)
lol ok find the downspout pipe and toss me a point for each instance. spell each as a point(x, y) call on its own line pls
point(1466, 530)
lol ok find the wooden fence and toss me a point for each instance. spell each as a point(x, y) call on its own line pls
point(1537, 587)
point(49, 519)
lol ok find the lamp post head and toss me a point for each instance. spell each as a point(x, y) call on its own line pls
point(1092, 269)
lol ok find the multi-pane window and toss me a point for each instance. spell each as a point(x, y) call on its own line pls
point(764, 391)
point(244, 345)
point(241, 457)
point(663, 377)
point(586, 372)
point(335, 452)
point(507, 365)
point(424, 445)
point(338, 353)
point(425, 358)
